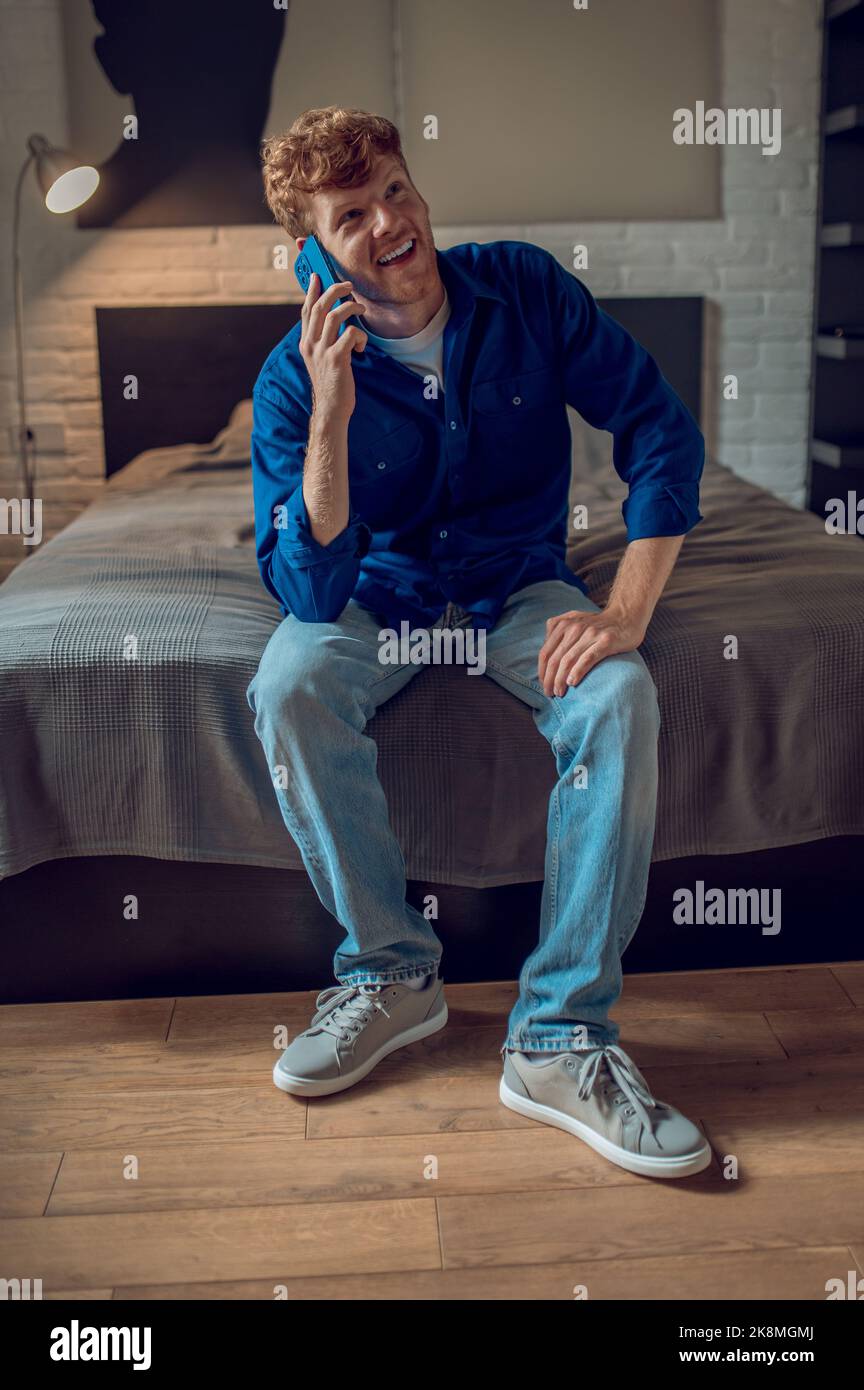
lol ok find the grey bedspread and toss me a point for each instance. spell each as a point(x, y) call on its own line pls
point(127, 643)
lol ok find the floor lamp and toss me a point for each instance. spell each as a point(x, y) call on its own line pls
point(66, 184)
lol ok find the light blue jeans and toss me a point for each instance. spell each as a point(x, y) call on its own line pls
point(316, 688)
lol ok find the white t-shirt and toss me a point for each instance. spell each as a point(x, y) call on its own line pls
point(424, 351)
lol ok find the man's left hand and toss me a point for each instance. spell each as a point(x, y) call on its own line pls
point(577, 640)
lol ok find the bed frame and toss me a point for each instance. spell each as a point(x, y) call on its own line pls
point(198, 361)
point(195, 362)
point(222, 928)
point(230, 929)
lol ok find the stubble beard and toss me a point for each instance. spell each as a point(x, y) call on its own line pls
point(401, 294)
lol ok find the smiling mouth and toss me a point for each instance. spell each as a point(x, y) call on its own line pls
point(405, 251)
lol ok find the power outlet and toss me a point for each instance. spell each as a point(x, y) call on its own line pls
point(46, 439)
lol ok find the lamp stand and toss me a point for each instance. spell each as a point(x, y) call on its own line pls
point(25, 441)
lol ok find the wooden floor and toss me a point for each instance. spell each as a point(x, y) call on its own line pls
point(241, 1189)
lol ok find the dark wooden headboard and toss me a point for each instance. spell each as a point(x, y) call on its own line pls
point(672, 330)
point(194, 363)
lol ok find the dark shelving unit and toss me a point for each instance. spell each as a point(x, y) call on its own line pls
point(837, 415)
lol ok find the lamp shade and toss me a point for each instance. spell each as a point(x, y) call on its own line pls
point(65, 182)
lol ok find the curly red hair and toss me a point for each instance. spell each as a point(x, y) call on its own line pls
point(325, 146)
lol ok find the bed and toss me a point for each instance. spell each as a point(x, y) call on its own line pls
point(127, 643)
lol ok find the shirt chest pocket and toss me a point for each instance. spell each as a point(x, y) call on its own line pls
point(515, 428)
point(509, 400)
point(380, 473)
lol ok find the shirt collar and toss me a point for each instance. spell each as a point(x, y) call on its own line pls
point(463, 287)
point(463, 290)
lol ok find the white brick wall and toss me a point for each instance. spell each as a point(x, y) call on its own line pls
point(755, 266)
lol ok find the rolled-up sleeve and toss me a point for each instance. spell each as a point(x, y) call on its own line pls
point(310, 580)
point(615, 384)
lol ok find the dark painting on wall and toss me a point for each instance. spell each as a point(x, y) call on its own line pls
point(203, 81)
point(198, 77)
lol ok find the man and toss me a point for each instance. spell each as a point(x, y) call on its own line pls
point(418, 469)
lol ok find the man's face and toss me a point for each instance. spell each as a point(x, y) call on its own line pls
point(358, 226)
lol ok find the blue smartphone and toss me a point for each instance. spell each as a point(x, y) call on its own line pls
point(313, 259)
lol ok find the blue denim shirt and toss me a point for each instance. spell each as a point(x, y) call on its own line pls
point(463, 497)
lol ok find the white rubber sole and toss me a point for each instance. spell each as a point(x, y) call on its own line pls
point(300, 1086)
point(682, 1166)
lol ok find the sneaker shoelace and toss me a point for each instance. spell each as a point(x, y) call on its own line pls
point(350, 1014)
point(622, 1078)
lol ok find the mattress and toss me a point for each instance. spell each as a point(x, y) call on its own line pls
point(127, 643)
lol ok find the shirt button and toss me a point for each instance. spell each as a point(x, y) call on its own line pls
point(382, 464)
point(517, 400)
point(443, 535)
point(452, 424)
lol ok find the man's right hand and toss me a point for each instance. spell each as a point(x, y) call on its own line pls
point(328, 357)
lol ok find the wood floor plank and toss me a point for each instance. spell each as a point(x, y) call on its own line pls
point(687, 1041)
point(663, 1218)
point(251, 1018)
point(785, 1274)
point(851, 978)
point(209, 1062)
point(26, 1181)
point(241, 1018)
point(242, 1187)
point(121, 1120)
point(87, 1024)
point(123, 1066)
point(729, 991)
point(402, 1100)
point(652, 1041)
point(699, 1040)
point(804, 1034)
point(776, 1146)
point(80, 1295)
point(789, 1088)
point(292, 1169)
point(240, 1243)
point(672, 995)
point(414, 1104)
